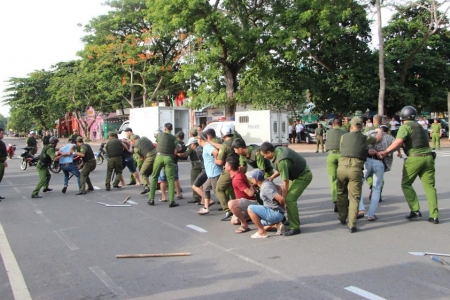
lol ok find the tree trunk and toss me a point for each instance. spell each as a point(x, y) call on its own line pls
point(85, 125)
point(380, 61)
point(230, 90)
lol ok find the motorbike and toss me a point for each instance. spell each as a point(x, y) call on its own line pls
point(28, 159)
point(101, 155)
point(10, 150)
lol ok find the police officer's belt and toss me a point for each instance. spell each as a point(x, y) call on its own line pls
point(334, 151)
point(421, 154)
point(374, 157)
point(195, 162)
point(163, 154)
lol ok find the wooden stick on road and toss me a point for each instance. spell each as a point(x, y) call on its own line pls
point(152, 255)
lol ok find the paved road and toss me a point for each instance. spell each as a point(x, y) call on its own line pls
point(64, 246)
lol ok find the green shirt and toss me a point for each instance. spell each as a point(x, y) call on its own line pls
point(436, 128)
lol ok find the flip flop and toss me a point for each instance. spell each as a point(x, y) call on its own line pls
point(242, 230)
point(256, 235)
point(161, 200)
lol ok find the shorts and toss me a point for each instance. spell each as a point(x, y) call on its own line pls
point(162, 175)
point(244, 204)
point(201, 179)
point(209, 185)
point(268, 216)
point(128, 162)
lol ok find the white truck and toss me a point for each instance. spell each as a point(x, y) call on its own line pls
point(146, 120)
point(259, 126)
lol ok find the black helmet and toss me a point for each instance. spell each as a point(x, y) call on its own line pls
point(53, 140)
point(408, 113)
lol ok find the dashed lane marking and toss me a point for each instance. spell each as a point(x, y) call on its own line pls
point(66, 240)
point(199, 229)
point(110, 284)
point(363, 293)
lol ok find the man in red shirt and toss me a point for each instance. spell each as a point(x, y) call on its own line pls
point(245, 194)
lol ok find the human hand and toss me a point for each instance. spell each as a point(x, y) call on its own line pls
point(382, 154)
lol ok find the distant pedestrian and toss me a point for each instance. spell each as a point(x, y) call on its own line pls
point(3, 157)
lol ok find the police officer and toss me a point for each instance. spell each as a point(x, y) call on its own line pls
point(333, 148)
point(167, 149)
point(224, 188)
point(74, 135)
point(420, 162)
point(46, 138)
point(89, 164)
point(3, 157)
point(251, 155)
point(353, 148)
point(114, 148)
point(293, 169)
point(196, 165)
point(46, 158)
point(319, 134)
point(436, 133)
point(32, 142)
point(145, 150)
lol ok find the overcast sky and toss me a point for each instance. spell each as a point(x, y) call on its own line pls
point(37, 34)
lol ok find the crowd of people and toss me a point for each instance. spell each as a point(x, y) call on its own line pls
point(355, 155)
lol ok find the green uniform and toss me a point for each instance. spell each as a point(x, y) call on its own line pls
point(144, 148)
point(195, 170)
point(224, 189)
point(292, 166)
point(89, 165)
point(31, 142)
point(114, 149)
point(353, 147)
point(346, 126)
point(45, 140)
point(435, 132)
point(319, 132)
point(46, 158)
point(167, 143)
point(74, 136)
point(256, 160)
point(333, 148)
point(420, 163)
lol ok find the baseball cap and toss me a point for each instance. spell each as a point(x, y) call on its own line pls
point(32, 132)
point(356, 121)
point(192, 140)
point(257, 174)
point(128, 129)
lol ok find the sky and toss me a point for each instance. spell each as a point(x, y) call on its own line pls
point(37, 34)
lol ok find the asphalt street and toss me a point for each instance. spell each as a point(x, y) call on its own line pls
point(64, 246)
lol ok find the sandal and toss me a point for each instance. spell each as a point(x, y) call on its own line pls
point(180, 197)
point(374, 218)
point(162, 200)
point(256, 235)
point(242, 230)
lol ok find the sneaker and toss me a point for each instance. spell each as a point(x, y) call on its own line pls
point(203, 211)
point(280, 228)
point(64, 189)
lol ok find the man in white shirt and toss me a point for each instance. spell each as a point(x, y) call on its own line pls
point(394, 126)
point(423, 123)
point(298, 131)
point(291, 137)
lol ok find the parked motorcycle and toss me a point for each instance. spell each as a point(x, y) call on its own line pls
point(101, 155)
point(28, 159)
point(55, 167)
point(10, 150)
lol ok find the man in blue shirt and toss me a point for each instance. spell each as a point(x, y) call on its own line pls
point(66, 162)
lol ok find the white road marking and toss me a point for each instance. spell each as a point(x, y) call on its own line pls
point(16, 189)
point(39, 212)
point(363, 293)
point(132, 202)
point(97, 188)
point(66, 240)
point(110, 284)
point(16, 280)
point(199, 229)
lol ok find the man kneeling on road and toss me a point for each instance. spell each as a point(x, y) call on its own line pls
point(273, 208)
point(245, 194)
